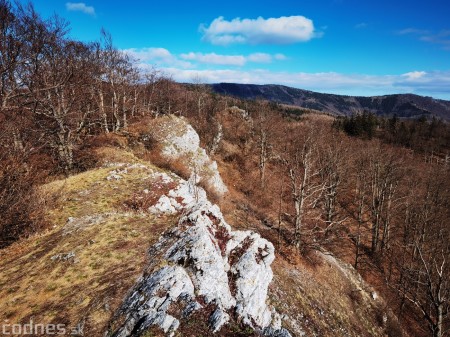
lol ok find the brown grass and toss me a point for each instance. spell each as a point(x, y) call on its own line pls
point(318, 297)
point(179, 166)
point(109, 247)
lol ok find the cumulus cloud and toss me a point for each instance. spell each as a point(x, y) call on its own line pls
point(80, 7)
point(282, 30)
point(148, 54)
point(162, 56)
point(260, 58)
point(159, 56)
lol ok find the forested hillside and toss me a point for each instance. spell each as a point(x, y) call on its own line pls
point(401, 105)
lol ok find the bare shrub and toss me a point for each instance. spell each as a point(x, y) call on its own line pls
point(112, 139)
point(179, 165)
point(20, 210)
point(87, 157)
point(140, 202)
point(393, 327)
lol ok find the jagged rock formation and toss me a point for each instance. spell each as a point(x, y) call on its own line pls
point(201, 264)
point(179, 141)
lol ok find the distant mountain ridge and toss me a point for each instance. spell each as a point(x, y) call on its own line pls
point(402, 105)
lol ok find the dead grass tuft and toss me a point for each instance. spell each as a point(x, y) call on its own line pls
point(179, 166)
point(143, 200)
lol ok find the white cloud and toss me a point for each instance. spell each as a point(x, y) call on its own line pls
point(213, 58)
point(441, 38)
point(414, 75)
point(164, 57)
point(149, 54)
point(185, 67)
point(407, 31)
point(280, 57)
point(282, 30)
point(233, 60)
point(159, 56)
point(80, 7)
point(260, 58)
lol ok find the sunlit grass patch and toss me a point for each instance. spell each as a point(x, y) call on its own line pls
point(82, 267)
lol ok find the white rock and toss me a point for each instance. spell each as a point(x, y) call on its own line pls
point(146, 306)
point(179, 140)
point(205, 262)
point(162, 177)
point(252, 275)
point(207, 268)
point(218, 319)
point(163, 206)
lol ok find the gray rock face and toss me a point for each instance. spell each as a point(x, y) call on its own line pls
point(271, 332)
point(148, 304)
point(178, 139)
point(205, 264)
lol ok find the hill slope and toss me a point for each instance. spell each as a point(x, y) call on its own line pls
point(135, 250)
point(402, 105)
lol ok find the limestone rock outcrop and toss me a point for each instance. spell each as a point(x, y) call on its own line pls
point(178, 140)
point(201, 263)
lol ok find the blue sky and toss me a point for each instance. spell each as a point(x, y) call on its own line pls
point(355, 47)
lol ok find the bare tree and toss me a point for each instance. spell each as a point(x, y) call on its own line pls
point(423, 253)
point(118, 73)
point(58, 81)
point(384, 169)
point(332, 157)
point(361, 189)
point(263, 124)
point(11, 55)
point(300, 160)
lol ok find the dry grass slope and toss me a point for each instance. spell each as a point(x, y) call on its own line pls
point(79, 271)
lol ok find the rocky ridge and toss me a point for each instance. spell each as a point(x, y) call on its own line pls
point(201, 264)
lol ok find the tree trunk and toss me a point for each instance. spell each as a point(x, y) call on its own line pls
point(262, 158)
point(103, 112)
point(298, 194)
point(115, 108)
point(439, 318)
point(217, 138)
point(124, 112)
